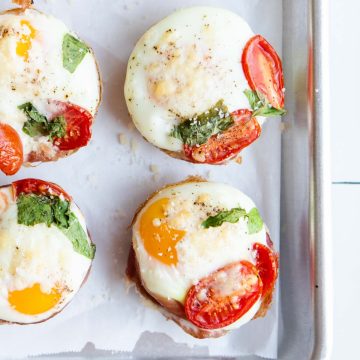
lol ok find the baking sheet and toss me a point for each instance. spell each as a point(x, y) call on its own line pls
point(108, 180)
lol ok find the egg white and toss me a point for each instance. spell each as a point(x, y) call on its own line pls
point(201, 251)
point(36, 254)
point(43, 76)
point(182, 66)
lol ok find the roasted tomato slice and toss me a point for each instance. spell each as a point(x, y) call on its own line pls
point(263, 70)
point(224, 296)
point(227, 144)
point(267, 266)
point(11, 150)
point(78, 125)
point(39, 187)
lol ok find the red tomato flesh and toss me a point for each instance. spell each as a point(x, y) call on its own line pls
point(267, 266)
point(11, 150)
point(229, 143)
point(223, 297)
point(263, 70)
point(39, 187)
point(78, 125)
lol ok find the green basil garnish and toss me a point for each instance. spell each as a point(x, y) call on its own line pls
point(57, 127)
point(76, 234)
point(255, 222)
point(74, 52)
point(198, 129)
point(35, 209)
point(260, 106)
point(231, 216)
point(38, 125)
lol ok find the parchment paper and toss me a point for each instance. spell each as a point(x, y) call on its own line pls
point(109, 180)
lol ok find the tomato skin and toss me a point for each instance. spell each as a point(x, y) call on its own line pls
point(11, 150)
point(229, 143)
point(78, 125)
point(263, 70)
point(39, 187)
point(267, 266)
point(207, 308)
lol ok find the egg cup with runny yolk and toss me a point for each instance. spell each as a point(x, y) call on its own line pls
point(50, 89)
point(199, 85)
point(201, 251)
point(45, 251)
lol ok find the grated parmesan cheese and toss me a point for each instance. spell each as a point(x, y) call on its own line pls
point(154, 168)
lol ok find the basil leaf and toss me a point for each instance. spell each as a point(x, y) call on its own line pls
point(36, 124)
point(253, 98)
point(261, 106)
point(37, 209)
point(74, 52)
point(34, 209)
point(61, 212)
point(177, 133)
point(76, 234)
point(57, 127)
point(255, 222)
point(197, 130)
point(268, 111)
point(231, 216)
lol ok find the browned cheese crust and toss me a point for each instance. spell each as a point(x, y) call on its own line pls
point(176, 155)
point(171, 308)
point(46, 152)
point(181, 156)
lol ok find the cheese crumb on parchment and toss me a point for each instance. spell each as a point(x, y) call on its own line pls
point(284, 126)
point(123, 139)
point(238, 160)
point(156, 177)
point(134, 146)
point(154, 168)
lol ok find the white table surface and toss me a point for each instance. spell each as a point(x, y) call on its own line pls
point(344, 60)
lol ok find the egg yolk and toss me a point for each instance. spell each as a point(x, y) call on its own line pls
point(32, 301)
point(159, 239)
point(24, 44)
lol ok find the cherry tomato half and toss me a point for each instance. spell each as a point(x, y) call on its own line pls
point(39, 187)
point(223, 297)
point(227, 144)
point(267, 266)
point(11, 150)
point(263, 70)
point(78, 125)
